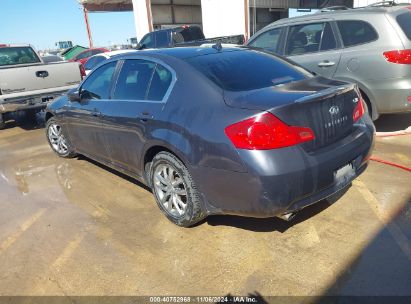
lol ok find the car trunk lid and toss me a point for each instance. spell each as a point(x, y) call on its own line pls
point(326, 106)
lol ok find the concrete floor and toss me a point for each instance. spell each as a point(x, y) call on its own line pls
point(73, 227)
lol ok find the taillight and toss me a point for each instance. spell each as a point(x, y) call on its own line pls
point(398, 56)
point(265, 132)
point(359, 110)
point(82, 71)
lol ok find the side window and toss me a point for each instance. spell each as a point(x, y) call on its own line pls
point(148, 41)
point(95, 52)
point(97, 85)
point(93, 62)
point(328, 41)
point(162, 39)
point(134, 79)
point(160, 83)
point(268, 40)
point(356, 32)
point(305, 38)
point(83, 55)
point(404, 20)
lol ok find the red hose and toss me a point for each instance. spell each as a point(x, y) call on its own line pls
point(390, 163)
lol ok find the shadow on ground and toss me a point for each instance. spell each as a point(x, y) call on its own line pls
point(25, 121)
point(382, 268)
point(393, 122)
point(274, 223)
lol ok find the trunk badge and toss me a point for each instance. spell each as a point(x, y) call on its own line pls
point(334, 110)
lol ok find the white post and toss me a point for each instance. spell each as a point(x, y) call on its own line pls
point(142, 17)
point(224, 18)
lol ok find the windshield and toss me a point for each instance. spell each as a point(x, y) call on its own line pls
point(244, 70)
point(17, 55)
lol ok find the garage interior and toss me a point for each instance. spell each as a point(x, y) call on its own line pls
point(169, 13)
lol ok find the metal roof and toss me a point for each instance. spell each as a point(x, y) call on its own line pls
point(127, 5)
point(107, 5)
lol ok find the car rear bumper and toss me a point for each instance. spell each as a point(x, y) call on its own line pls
point(28, 103)
point(391, 95)
point(285, 180)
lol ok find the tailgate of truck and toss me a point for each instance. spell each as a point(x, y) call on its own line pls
point(39, 77)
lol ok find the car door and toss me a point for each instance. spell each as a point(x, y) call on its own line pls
point(314, 46)
point(83, 118)
point(137, 100)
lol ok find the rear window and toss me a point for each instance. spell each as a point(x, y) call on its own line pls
point(186, 34)
point(354, 32)
point(17, 55)
point(245, 70)
point(404, 20)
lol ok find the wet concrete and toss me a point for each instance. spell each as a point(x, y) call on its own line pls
point(73, 227)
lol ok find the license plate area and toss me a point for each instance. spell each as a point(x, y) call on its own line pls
point(344, 175)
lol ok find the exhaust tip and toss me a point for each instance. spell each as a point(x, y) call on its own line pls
point(287, 216)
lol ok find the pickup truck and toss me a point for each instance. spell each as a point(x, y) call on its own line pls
point(28, 84)
point(186, 35)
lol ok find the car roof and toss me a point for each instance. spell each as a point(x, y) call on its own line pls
point(339, 13)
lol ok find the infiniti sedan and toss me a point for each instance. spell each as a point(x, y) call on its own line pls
point(217, 130)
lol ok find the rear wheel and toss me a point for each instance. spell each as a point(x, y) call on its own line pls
point(2, 122)
point(368, 104)
point(58, 140)
point(175, 191)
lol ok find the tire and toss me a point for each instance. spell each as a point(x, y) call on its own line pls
point(32, 115)
point(175, 191)
point(2, 122)
point(58, 140)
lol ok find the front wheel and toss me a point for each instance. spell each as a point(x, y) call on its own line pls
point(58, 140)
point(175, 191)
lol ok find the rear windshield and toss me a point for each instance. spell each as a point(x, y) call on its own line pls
point(186, 34)
point(17, 55)
point(404, 20)
point(247, 70)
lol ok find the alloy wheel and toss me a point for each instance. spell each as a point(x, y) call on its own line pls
point(57, 139)
point(170, 190)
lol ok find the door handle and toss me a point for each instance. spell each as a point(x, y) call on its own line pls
point(326, 63)
point(42, 74)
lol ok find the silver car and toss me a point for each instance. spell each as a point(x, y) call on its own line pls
point(370, 46)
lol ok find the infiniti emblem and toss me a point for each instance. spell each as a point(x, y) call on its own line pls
point(334, 110)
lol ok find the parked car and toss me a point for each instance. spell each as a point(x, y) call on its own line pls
point(217, 130)
point(27, 83)
point(369, 46)
point(95, 60)
point(186, 35)
point(85, 55)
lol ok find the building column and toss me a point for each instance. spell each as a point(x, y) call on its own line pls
point(90, 38)
point(224, 18)
point(142, 17)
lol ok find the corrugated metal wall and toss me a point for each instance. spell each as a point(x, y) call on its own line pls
point(274, 3)
point(168, 12)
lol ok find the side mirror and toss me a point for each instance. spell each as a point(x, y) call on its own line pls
point(74, 96)
point(141, 46)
